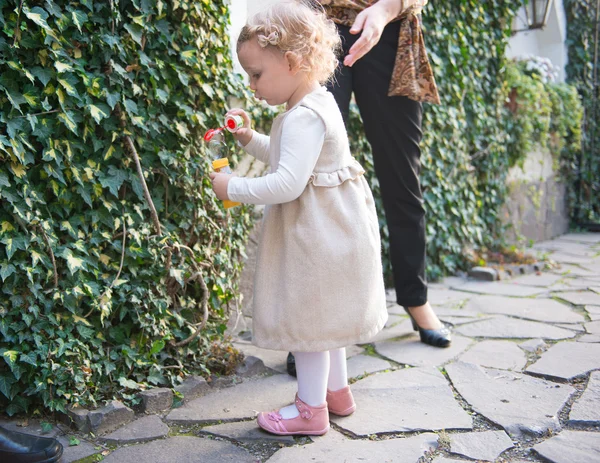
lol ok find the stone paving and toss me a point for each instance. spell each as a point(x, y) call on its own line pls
point(520, 383)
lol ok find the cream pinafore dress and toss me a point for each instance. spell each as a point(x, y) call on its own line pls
point(318, 281)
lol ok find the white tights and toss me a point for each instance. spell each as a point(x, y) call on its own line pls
point(317, 372)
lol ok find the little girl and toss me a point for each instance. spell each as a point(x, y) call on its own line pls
point(318, 283)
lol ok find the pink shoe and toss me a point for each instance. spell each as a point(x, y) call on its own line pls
point(341, 402)
point(312, 421)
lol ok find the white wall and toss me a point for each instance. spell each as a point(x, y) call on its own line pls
point(548, 42)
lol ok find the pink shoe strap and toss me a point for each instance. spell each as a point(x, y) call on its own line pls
point(305, 410)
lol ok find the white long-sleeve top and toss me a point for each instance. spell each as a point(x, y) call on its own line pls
point(303, 134)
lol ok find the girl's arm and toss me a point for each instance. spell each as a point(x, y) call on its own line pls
point(258, 146)
point(303, 134)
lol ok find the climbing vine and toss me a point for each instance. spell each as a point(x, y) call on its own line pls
point(583, 24)
point(118, 264)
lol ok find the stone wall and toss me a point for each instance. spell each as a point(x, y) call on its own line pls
point(536, 208)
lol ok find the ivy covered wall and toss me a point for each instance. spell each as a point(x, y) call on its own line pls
point(583, 168)
point(464, 153)
point(117, 262)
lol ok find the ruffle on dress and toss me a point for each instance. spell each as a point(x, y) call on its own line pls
point(337, 177)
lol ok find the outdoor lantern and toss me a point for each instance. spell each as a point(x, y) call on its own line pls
point(536, 14)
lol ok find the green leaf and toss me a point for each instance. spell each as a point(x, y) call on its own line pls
point(46, 427)
point(128, 383)
point(112, 98)
point(29, 358)
point(113, 181)
point(67, 119)
point(37, 15)
point(10, 357)
point(135, 31)
point(7, 270)
point(44, 75)
point(79, 18)
point(73, 441)
point(74, 263)
point(6, 382)
point(68, 82)
point(157, 346)
point(99, 112)
point(62, 67)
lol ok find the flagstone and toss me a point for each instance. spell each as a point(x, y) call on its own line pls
point(414, 352)
point(586, 409)
point(444, 297)
point(589, 338)
point(519, 403)
point(243, 401)
point(580, 297)
point(487, 445)
point(506, 327)
point(274, 359)
point(401, 329)
point(540, 309)
point(333, 447)
point(407, 400)
point(504, 355)
point(245, 431)
point(143, 429)
point(571, 447)
point(365, 364)
point(535, 279)
point(181, 449)
point(591, 238)
point(593, 327)
point(567, 360)
point(593, 312)
point(533, 345)
point(500, 289)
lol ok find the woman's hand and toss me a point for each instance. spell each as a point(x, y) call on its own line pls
point(371, 21)
point(219, 184)
point(244, 134)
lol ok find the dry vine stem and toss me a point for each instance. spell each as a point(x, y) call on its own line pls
point(197, 274)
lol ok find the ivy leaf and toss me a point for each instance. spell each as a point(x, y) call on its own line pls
point(10, 357)
point(157, 346)
point(4, 179)
point(44, 75)
point(37, 15)
point(128, 383)
point(131, 107)
point(29, 358)
point(99, 112)
point(74, 263)
point(68, 82)
point(62, 67)
point(6, 383)
point(135, 31)
point(79, 18)
point(113, 181)
point(67, 119)
point(112, 99)
point(7, 270)
point(14, 244)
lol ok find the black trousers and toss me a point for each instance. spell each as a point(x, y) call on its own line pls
point(393, 129)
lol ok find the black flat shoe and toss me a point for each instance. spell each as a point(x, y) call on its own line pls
point(290, 365)
point(17, 447)
point(435, 338)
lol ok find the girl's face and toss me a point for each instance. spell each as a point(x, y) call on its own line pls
point(273, 76)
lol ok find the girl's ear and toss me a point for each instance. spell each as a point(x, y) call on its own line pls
point(293, 61)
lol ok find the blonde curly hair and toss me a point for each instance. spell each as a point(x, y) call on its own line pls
point(300, 27)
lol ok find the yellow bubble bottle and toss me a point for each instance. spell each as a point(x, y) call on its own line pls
point(220, 163)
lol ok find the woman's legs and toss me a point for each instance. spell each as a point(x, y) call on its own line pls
point(393, 128)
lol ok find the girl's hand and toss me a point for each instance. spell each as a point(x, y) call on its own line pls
point(244, 134)
point(371, 21)
point(219, 184)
